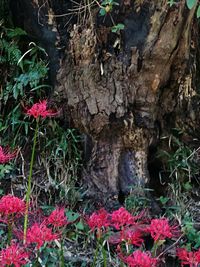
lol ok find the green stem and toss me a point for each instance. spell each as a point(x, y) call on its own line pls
point(154, 249)
point(96, 254)
point(37, 264)
point(104, 257)
point(10, 222)
point(28, 193)
point(62, 260)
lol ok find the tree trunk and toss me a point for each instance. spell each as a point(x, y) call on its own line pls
point(119, 89)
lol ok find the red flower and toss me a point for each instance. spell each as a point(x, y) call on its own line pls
point(160, 229)
point(13, 256)
point(188, 257)
point(122, 217)
point(40, 109)
point(5, 155)
point(140, 259)
point(57, 218)
point(40, 233)
point(98, 219)
point(11, 205)
point(132, 237)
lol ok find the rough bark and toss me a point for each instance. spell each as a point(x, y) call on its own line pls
point(119, 88)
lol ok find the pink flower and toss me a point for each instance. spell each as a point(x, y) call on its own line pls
point(57, 218)
point(132, 237)
point(5, 155)
point(188, 257)
point(40, 233)
point(13, 256)
point(98, 219)
point(40, 109)
point(140, 259)
point(11, 205)
point(160, 229)
point(122, 217)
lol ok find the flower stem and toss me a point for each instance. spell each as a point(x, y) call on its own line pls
point(10, 223)
point(96, 253)
point(104, 257)
point(154, 249)
point(28, 193)
point(62, 260)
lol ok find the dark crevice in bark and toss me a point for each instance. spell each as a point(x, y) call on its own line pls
point(155, 168)
point(137, 26)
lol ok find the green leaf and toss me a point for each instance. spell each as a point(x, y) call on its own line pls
point(79, 225)
point(15, 32)
point(187, 186)
point(72, 216)
point(197, 245)
point(171, 2)
point(198, 12)
point(190, 3)
point(117, 27)
point(102, 12)
point(163, 200)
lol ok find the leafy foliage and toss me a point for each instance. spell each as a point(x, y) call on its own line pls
point(192, 235)
point(181, 163)
point(61, 157)
point(107, 6)
point(118, 27)
point(180, 175)
point(23, 72)
point(25, 69)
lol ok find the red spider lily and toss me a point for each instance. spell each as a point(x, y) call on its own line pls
point(13, 256)
point(39, 234)
point(140, 259)
point(132, 237)
point(40, 109)
point(98, 219)
point(160, 229)
point(12, 205)
point(5, 155)
point(188, 257)
point(117, 237)
point(122, 217)
point(57, 218)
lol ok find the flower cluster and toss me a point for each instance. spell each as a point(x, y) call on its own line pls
point(133, 237)
point(140, 259)
point(57, 218)
point(188, 257)
point(11, 205)
point(40, 109)
point(99, 219)
point(39, 234)
point(131, 230)
point(121, 218)
point(117, 219)
point(160, 229)
point(13, 256)
point(5, 155)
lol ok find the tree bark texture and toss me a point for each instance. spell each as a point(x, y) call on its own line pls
point(122, 90)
